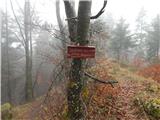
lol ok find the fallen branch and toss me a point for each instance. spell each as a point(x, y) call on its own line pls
point(111, 82)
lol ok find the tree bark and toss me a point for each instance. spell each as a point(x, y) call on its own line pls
point(28, 52)
point(72, 24)
point(75, 86)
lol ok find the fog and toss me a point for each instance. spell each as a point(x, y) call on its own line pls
point(49, 67)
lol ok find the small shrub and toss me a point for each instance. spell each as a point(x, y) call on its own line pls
point(153, 88)
point(152, 71)
point(153, 107)
point(6, 111)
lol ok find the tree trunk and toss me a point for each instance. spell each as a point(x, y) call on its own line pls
point(62, 32)
point(72, 24)
point(28, 52)
point(75, 108)
point(8, 62)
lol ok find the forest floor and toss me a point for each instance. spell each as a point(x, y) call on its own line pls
point(128, 100)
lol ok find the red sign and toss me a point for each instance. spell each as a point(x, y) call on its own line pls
point(75, 51)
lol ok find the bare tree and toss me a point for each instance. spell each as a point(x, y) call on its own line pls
point(27, 43)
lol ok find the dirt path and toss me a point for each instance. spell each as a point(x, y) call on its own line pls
point(27, 111)
point(124, 101)
point(36, 107)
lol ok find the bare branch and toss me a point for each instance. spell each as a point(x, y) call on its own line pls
point(50, 87)
point(37, 72)
point(52, 33)
point(100, 12)
point(22, 42)
point(19, 7)
point(17, 21)
point(111, 82)
point(92, 17)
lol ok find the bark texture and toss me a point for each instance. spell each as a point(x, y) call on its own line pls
point(28, 52)
point(75, 86)
point(72, 24)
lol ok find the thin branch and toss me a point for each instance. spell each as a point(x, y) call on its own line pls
point(18, 60)
point(51, 33)
point(95, 16)
point(100, 12)
point(34, 4)
point(111, 82)
point(22, 42)
point(50, 87)
point(84, 105)
point(19, 7)
point(37, 72)
point(49, 29)
point(17, 21)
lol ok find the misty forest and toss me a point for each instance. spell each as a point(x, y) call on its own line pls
point(87, 63)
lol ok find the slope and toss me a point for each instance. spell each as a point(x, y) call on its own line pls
point(133, 98)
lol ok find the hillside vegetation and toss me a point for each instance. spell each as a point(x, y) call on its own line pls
point(133, 98)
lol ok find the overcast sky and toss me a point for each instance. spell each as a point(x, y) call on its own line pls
point(128, 9)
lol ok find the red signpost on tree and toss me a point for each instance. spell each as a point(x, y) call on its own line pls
point(75, 51)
